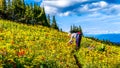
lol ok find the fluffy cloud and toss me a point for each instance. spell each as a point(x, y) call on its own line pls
point(101, 4)
point(65, 13)
point(51, 10)
point(61, 3)
point(79, 7)
point(60, 7)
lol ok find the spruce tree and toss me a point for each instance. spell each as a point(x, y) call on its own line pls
point(13, 9)
point(80, 29)
point(0, 8)
point(0, 4)
point(54, 24)
point(48, 20)
point(23, 6)
point(61, 30)
point(71, 29)
point(9, 5)
point(74, 29)
point(4, 5)
point(44, 18)
point(17, 10)
point(37, 14)
point(28, 14)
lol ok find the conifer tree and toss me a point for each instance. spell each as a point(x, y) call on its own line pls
point(74, 29)
point(61, 30)
point(17, 10)
point(28, 14)
point(0, 8)
point(0, 4)
point(23, 6)
point(3, 8)
point(9, 5)
point(48, 20)
point(4, 5)
point(71, 28)
point(13, 9)
point(37, 14)
point(44, 19)
point(54, 24)
point(80, 29)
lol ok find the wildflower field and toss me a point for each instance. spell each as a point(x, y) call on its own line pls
point(94, 54)
point(32, 46)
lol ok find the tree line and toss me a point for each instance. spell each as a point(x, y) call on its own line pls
point(74, 29)
point(19, 11)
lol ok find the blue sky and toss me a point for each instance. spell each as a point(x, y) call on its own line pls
point(94, 16)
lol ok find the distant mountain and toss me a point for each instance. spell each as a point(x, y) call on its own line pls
point(115, 38)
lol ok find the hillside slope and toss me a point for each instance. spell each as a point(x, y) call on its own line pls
point(94, 54)
point(30, 46)
point(33, 46)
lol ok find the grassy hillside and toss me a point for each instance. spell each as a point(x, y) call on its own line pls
point(33, 46)
point(94, 54)
point(28, 46)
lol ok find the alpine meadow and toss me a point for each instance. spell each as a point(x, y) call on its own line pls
point(29, 38)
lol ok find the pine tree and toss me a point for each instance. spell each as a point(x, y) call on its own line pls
point(0, 4)
point(74, 29)
point(61, 30)
point(48, 20)
point(9, 5)
point(23, 6)
point(0, 8)
point(80, 29)
point(22, 12)
point(31, 16)
point(28, 14)
point(17, 10)
point(44, 18)
point(13, 9)
point(9, 10)
point(3, 8)
point(4, 5)
point(54, 24)
point(37, 14)
point(71, 29)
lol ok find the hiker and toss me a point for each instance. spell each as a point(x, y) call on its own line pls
point(78, 36)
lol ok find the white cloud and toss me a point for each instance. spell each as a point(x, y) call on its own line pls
point(100, 7)
point(65, 13)
point(112, 9)
point(61, 7)
point(54, 6)
point(116, 7)
point(50, 10)
point(57, 3)
point(84, 8)
point(101, 4)
point(93, 7)
point(61, 3)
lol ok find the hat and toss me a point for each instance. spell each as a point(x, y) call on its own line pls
point(79, 32)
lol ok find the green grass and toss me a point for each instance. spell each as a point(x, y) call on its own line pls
point(94, 54)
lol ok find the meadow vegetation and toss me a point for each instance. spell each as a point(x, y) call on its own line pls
point(33, 46)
